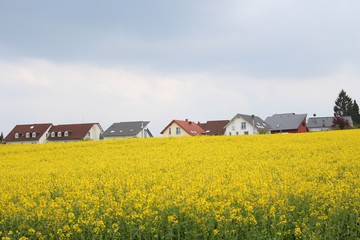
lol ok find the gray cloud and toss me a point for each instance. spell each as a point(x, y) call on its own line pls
point(195, 59)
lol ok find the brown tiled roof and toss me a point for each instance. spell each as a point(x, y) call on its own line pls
point(214, 127)
point(190, 127)
point(39, 129)
point(76, 131)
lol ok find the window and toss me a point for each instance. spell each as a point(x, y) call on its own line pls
point(303, 124)
point(178, 131)
point(233, 126)
point(237, 133)
point(34, 134)
point(323, 123)
point(88, 134)
point(53, 134)
point(16, 135)
point(27, 135)
point(59, 134)
point(169, 131)
point(230, 133)
point(66, 134)
point(243, 125)
point(246, 133)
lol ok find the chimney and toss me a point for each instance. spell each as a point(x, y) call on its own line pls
point(186, 120)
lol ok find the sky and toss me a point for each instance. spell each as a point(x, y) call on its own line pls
point(114, 61)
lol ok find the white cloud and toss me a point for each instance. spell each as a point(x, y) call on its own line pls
point(42, 91)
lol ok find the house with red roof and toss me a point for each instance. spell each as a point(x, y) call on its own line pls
point(28, 133)
point(74, 132)
point(214, 128)
point(179, 128)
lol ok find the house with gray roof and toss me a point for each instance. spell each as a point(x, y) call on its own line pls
point(317, 124)
point(137, 129)
point(287, 123)
point(242, 124)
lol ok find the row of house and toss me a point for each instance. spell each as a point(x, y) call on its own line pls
point(240, 124)
point(47, 132)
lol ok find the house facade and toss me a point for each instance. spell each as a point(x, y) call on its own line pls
point(287, 123)
point(120, 130)
point(242, 124)
point(28, 133)
point(179, 128)
point(317, 124)
point(74, 132)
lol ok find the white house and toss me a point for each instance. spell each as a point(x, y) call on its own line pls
point(242, 124)
point(74, 132)
point(317, 124)
point(28, 133)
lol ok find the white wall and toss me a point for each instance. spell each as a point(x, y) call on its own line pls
point(319, 129)
point(234, 127)
point(173, 127)
point(95, 132)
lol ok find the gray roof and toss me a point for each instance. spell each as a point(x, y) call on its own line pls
point(255, 121)
point(285, 121)
point(125, 128)
point(319, 122)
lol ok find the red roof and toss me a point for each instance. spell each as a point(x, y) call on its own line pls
point(75, 131)
point(39, 129)
point(188, 126)
point(214, 127)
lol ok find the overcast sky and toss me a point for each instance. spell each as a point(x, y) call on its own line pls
point(112, 61)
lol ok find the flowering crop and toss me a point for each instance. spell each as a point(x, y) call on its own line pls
point(289, 186)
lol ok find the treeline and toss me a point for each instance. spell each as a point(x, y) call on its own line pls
point(346, 106)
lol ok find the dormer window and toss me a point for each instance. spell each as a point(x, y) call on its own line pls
point(27, 135)
point(16, 135)
point(66, 134)
point(34, 134)
point(59, 134)
point(52, 134)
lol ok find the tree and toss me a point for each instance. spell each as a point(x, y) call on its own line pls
point(341, 123)
point(355, 113)
point(343, 105)
point(1, 137)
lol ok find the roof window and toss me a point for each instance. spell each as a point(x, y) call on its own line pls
point(52, 134)
point(16, 135)
point(27, 135)
point(31, 127)
point(59, 134)
point(34, 134)
point(66, 134)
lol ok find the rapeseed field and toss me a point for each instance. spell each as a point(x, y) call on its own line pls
point(293, 186)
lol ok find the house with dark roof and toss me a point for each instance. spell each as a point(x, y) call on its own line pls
point(74, 132)
point(287, 123)
point(317, 124)
point(214, 128)
point(242, 124)
point(28, 133)
point(138, 129)
point(179, 128)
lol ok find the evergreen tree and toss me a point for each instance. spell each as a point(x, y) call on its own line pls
point(355, 113)
point(343, 105)
point(1, 137)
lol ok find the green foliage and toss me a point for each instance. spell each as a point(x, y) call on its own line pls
point(343, 105)
point(263, 131)
point(355, 113)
